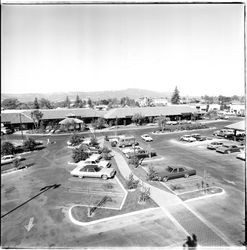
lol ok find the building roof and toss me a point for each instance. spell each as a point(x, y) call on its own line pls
point(237, 126)
point(13, 116)
point(149, 111)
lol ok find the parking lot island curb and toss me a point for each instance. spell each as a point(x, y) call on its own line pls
point(79, 223)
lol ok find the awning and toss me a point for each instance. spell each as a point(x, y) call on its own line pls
point(240, 126)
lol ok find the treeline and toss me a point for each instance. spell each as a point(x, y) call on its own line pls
point(13, 103)
point(223, 99)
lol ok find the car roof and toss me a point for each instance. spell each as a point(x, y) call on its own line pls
point(8, 156)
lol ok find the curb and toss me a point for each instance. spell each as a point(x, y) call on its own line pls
point(79, 223)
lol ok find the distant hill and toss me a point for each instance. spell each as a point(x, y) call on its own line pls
point(60, 96)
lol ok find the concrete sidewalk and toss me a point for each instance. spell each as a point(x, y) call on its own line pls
point(184, 217)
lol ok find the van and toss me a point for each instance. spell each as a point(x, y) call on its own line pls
point(127, 141)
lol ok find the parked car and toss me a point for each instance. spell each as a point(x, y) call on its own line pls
point(187, 138)
point(9, 158)
point(140, 154)
point(228, 148)
point(5, 131)
point(95, 159)
point(173, 172)
point(171, 122)
point(214, 145)
point(131, 149)
point(199, 137)
point(241, 156)
point(146, 138)
point(184, 122)
point(92, 170)
point(237, 137)
point(223, 132)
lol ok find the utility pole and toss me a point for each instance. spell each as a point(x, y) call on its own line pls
point(21, 129)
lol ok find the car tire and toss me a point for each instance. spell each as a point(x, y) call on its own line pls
point(186, 176)
point(165, 179)
point(104, 177)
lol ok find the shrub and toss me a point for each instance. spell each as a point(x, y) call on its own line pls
point(151, 174)
point(7, 148)
point(113, 143)
point(176, 187)
point(79, 155)
point(94, 142)
point(135, 161)
point(144, 194)
point(131, 182)
point(16, 163)
point(29, 144)
point(75, 139)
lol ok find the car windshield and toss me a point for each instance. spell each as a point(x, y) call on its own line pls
point(170, 169)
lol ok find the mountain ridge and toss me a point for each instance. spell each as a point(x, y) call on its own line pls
point(132, 93)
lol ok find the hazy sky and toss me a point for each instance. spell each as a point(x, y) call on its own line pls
point(199, 48)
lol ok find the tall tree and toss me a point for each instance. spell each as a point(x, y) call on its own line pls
point(36, 116)
point(35, 103)
point(89, 102)
point(78, 102)
point(175, 97)
point(67, 102)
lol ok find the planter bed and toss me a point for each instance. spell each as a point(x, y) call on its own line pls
point(200, 193)
point(131, 204)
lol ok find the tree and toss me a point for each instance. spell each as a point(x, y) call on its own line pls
point(175, 97)
point(7, 148)
point(99, 123)
point(36, 115)
point(138, 118)
point(10, 103)
point(29, 144)
point(78, 102)
point(67, 103)
point(162, 122)
point(106, 153)
point(90, 103)
point(35, 103)
point(134, 160)
point(79, 155)
point(45, 104)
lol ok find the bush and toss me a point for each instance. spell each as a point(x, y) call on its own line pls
point(79, 155)
point(135, 161)
point(94, 142)
point(7, 148)
point(144, 194)
point(29, 144)
point(16, 163)
point(176, 187)
point(151, 174)
point(75, 139)
point(131, 182)
point(113, 143)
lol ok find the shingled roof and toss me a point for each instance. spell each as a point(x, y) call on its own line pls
point(149, 111)
point(13, 116)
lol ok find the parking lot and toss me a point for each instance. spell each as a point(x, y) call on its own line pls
point(51, 168)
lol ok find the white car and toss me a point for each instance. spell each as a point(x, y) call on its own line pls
point(9, 158)
point(146, 138)
point(241, 156)
point(99, 163)
point(187, 138)
point(171, 122)
point(92, 170)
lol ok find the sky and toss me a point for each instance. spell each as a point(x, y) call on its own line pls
point(60, 48)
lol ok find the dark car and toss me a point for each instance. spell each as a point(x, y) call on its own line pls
point(228, 148)
point(238, 137)
point(173, 172)
point(199, 137)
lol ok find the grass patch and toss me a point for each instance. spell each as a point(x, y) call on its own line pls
point(130, 205)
